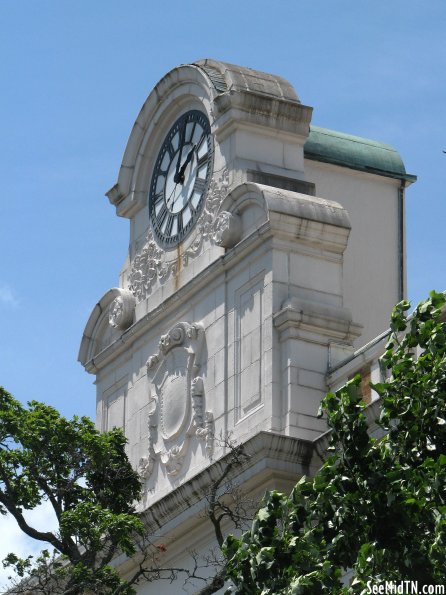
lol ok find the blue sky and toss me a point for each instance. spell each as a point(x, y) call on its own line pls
point(74, 76)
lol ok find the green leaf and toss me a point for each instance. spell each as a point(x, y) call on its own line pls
point(376, 506)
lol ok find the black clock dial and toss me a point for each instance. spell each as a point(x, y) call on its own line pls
point(181, 178)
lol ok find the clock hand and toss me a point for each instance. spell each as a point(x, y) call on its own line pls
point(176, 178)
point(170, 196)
point(185, 164)
point(179, 179)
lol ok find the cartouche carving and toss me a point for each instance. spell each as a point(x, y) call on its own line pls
point(176, 409)
point(145, 466)
point(147, 463)
point(206, 432)
point(173, 460)
point(197, 401)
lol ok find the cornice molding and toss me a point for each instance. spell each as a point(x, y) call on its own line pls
point(265, 450)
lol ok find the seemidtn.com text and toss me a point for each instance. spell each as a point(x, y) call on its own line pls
point(404, 588)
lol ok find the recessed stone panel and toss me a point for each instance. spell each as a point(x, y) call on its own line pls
point(249, 347)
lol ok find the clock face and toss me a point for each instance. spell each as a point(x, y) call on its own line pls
point(181, 178)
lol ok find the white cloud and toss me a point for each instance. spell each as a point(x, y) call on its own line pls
point(14, 540)
point(7, 296)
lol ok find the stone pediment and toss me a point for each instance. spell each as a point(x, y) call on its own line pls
point(305, 217)
point(226, 90)
point(113, 314)
point(258, 128)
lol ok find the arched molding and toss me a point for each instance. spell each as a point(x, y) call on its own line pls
point(227, 93)
point(105, 324)
point(183, 88)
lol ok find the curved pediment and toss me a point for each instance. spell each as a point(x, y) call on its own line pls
point(110, 317)
point(217, 87)
point(258, 128)
point(184, 87)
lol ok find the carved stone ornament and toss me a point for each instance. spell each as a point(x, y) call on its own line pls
point(176, 407)
point(145, 466)
point(120, 313)
point(147, 462)
point(227, 230)
point(151, 265)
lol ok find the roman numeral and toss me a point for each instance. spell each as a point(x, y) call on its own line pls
point(189, 140)
point(199, 185)
point(161, 216)
point(203, 159)
point(158, 197)
point(202, 148)
point(170, 224)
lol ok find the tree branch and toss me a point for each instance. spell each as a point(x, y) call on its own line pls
point(30, 531)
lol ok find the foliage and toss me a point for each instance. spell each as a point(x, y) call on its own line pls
point(377, 507)
point(86, 477)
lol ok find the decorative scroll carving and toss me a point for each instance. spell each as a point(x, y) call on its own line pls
point(147, 463)
point(152, 361)
point(226, 230)
point(151, 264)
point(176, 336)
point(206, 432)
point(145, 466)
point(173, 460)
point(197, 401)
point(217, 193)
point(148, 267)
point(120, 313)
point(176, 411)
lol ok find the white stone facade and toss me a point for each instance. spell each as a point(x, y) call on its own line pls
point(234, 330)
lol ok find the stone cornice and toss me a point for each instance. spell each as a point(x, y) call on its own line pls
point(307, 219)
point(299, 316)
point(246, 109)
point(265, 450)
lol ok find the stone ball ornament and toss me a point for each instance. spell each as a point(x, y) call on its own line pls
point(120, 313)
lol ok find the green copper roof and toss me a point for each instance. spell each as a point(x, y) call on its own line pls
point(355, 152)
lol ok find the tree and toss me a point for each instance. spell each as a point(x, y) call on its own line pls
point(377, 507)
point(88, 480)
point(91, 486)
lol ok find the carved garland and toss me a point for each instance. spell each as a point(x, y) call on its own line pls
point(148, 266)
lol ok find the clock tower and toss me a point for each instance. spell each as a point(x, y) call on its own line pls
point(242, 285)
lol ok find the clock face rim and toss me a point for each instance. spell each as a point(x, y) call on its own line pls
point(190, 173)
